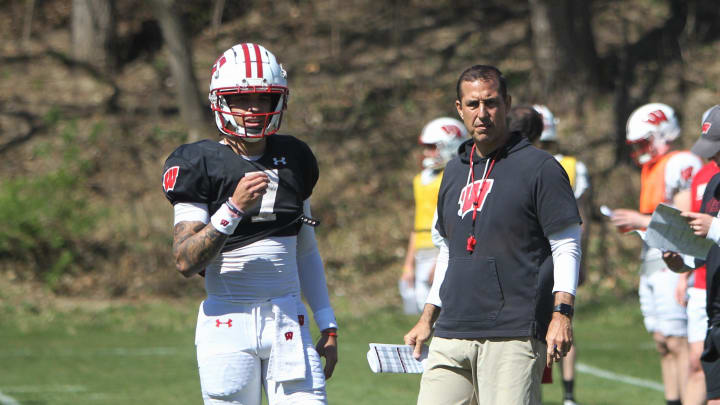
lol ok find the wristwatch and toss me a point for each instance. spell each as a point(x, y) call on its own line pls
point(564, 309)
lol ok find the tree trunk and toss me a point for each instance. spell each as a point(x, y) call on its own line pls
point(192, 111)
point(93, 32)
point(563, 47)
point(217, 13)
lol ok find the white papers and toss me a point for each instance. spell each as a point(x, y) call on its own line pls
point(669, 231)
point(384, 358)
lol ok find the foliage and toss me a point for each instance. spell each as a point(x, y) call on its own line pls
point(47, 215)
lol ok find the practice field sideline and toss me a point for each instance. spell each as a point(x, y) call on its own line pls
point(143, 353)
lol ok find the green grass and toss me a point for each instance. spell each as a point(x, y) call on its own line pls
point(143, 353)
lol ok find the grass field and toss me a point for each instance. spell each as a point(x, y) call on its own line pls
point(142, 353)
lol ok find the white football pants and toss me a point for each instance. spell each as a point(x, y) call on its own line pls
point(233, 347)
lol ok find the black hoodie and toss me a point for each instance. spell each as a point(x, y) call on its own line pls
point(504, 287)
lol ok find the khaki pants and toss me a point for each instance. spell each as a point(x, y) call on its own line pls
point(483, 372)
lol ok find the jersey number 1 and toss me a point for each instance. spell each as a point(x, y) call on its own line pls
point(267, 204)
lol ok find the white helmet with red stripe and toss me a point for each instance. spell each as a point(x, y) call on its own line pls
point(446, 134)
point(248, 69)
point(650, 129)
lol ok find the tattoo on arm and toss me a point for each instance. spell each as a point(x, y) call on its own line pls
point(195, 245)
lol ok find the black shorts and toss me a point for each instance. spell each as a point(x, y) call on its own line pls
point(710, 361)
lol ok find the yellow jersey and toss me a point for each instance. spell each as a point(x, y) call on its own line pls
point(425, 205)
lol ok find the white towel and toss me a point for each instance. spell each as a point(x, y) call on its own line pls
point(287, 356)
point(384, 358)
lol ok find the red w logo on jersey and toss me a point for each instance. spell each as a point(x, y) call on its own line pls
point(686, 173)
point(288, 335)
point(706, 127)
point(170, 177)
point(468, 194)
point(656, 117)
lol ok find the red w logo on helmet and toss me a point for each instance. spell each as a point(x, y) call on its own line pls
point(170, 177)
point(656, 117)
point(452, 130)
point(468, 193)
point(288, 335)
point(218, 64)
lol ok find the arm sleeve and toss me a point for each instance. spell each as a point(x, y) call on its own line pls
point(441, 266)
point(435, 236)
point(566, 253)
point(714, 231)
point(312, 276)
point(582, 180)
point(191, 212)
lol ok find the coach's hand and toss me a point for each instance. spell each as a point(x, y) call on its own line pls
point(249, 190)
point(421, 332)
point(698, 222)
point(327, 347)
point(559, 336)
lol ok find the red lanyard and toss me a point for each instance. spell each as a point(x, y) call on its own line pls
point(471, 241)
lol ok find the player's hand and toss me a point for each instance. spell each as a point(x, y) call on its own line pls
point(249, 190)
point(418, 335)
point(675, 262)
point(327, 347)
point(408, 275)
point(627, 220)
point(559, 338)
point(699, 223)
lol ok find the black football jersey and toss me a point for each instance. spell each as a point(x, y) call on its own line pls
point(207, 172)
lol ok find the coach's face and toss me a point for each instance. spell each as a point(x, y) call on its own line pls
point(484, 112)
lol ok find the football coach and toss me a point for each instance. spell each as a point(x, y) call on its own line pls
point(506, 211)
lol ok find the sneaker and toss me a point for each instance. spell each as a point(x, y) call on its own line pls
point(569, 402)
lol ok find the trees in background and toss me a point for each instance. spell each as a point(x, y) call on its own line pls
point(179, 53)
point(93, 32)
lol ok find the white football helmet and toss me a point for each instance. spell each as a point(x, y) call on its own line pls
point(446, 134)
point(650, 129)
point(549, 133)
point(248, 69)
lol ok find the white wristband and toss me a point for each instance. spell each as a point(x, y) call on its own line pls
point(224, 220)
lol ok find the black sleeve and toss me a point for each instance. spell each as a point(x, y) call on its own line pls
point(555, 203)
point(185, 180)
point(311, 172)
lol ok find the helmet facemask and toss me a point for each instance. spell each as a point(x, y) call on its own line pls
point(646, 149)
point(249, 126)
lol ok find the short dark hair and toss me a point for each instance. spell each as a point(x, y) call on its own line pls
point(482, 72)
point(527, 121)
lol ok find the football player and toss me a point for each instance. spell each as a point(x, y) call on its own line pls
point(440, 140)
point(666, 177)
point(580, 182)
point(241, 218)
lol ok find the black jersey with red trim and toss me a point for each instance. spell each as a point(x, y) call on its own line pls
point(501, 289)
point(207, 172)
